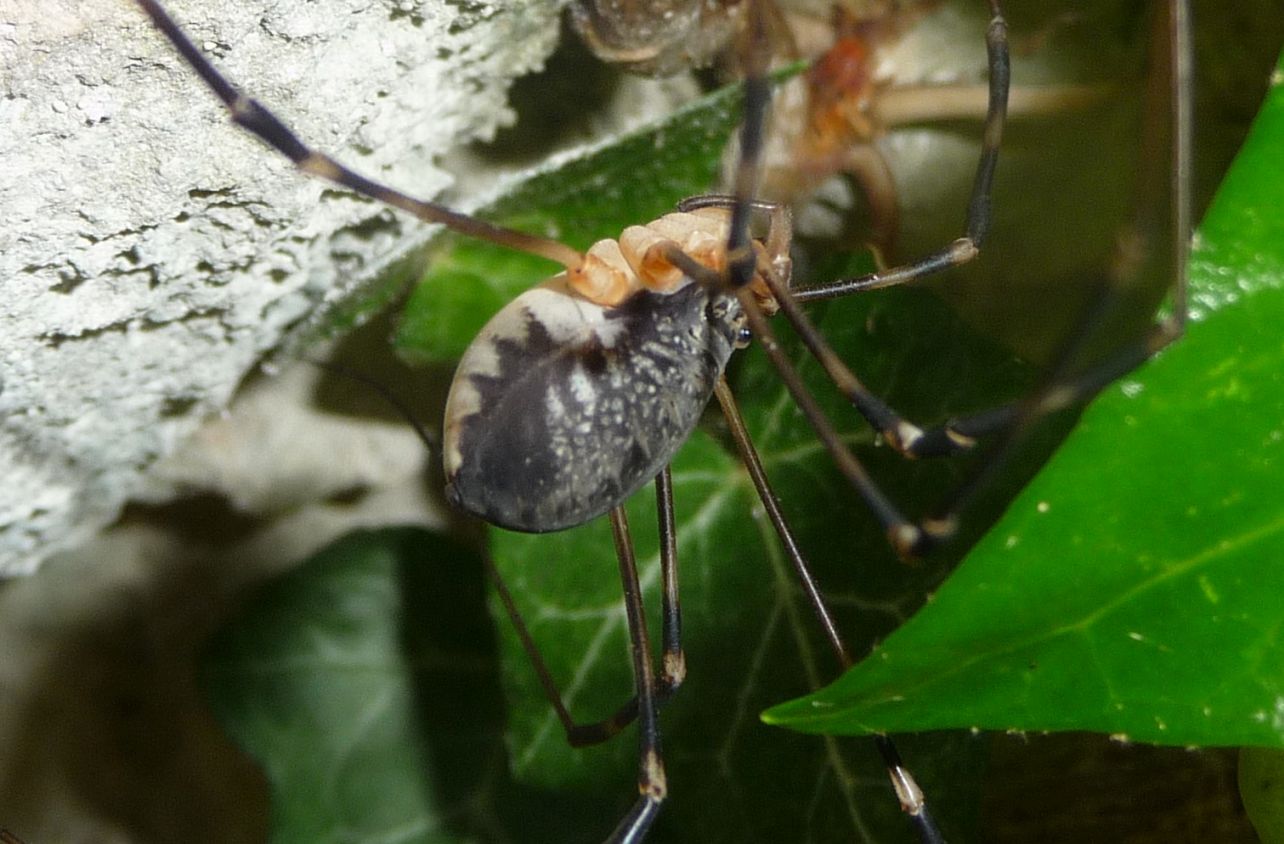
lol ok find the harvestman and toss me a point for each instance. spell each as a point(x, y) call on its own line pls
point(598, 375)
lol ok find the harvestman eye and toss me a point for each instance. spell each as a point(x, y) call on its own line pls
point(581, 390)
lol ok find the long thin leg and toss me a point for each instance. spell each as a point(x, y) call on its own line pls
point(901, 434)
point(741, 264)
point(901, 533)
point(1064, 388)
point(906, 537)
point(1068, 389)
point(977, 224)
point(907, 790)
point(673, 659)
point(1181, 94)
point(652, 786)
point(955, 435)
point(644, 706)
point(961, 433)
point(949, 438)
point(255, 118)
point(749, 456)
point(8, 837)
point(754, 50)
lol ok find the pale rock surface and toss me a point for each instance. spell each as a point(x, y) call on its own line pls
point(151, 253)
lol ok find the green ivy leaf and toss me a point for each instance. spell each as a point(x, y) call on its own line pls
point(316, 680)
point(1133, 589)
point(365, 682)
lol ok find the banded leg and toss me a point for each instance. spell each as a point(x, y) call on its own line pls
point(911, 797)
point(949, 438)
point(741, 265)
point(1066, 387)
point(644, 706)
point(652, 786)
point(252, 116)
point(673, 659)
point(902, 534)
point(977, 223)
point(905, 536)
point(900, 433)
point(958, 434)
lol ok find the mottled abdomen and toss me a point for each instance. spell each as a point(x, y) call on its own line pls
point(562, 408)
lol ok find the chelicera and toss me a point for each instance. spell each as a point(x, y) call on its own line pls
point(581, 390)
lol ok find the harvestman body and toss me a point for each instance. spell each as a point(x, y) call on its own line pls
point(580, 390)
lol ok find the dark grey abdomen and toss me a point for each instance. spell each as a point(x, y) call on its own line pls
point(566, 432)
